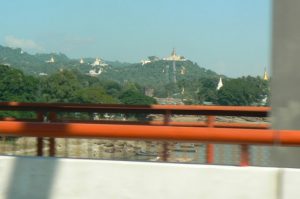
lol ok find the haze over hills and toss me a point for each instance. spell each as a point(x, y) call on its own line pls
point(151, 73)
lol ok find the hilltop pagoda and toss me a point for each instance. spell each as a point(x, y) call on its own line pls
point(265, 77)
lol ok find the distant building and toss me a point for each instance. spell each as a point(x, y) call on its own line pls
point(174, 57)
point(99, 62)
point(220, 84)
point(93, 72)
point(43, 74)
point(96, 62)
point(145, 62)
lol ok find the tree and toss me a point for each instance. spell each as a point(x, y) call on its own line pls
point(132, 97)
point(242, 91)
point(94, 95)
point(15, 86)
point(60, 87)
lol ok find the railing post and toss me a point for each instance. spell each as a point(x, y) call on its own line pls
point(52, 118)
point(210, 147)
point(40, 143)
point(244, 155)
point(167, 119)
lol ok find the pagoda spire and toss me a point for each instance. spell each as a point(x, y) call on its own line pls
point(173, 52)
point(266, 77)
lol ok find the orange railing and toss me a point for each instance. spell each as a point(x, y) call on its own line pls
point(209, 131)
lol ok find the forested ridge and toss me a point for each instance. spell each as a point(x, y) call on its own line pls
point(67, 80)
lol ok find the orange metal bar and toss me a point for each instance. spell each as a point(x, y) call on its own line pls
point(158, 109)
point(222, 135)
point(16, 119)
point(173, 123)
point(120, 106)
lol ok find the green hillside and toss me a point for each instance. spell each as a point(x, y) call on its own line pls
point(153, 74)
point(189, 81)
point(158, 73)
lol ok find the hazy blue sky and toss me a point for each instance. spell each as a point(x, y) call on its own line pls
point(231, 37)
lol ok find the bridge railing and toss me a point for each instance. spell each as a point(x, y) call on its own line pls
point(48, 125)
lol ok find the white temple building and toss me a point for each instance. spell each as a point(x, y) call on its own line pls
point(99, 62)
point(94, 73)
point(174, 57)
point(145, 62)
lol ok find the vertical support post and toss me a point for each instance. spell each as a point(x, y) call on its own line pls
point(167, 119)
point(52, 118)
point(3, 141)
point(244, 155)
point(165, 151)
point(210, 147)
point(40, 143)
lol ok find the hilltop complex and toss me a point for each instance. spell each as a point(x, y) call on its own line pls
point(172, 57)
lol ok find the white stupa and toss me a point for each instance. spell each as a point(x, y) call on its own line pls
point(81, 61)
point(97, 62)
point(182, 71)
point(51, 60)
point(220, 84)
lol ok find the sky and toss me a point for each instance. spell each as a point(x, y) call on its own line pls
point(231, 37)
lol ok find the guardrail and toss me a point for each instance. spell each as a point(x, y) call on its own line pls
point(48, 125)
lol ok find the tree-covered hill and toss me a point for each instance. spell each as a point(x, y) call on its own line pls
point(158, 73)
point(74, 86)
point(154, 74)
point(33, 64)
point(188, 81)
